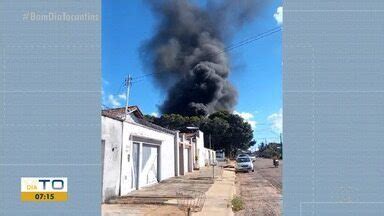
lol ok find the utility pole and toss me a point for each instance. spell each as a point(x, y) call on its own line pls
point(281, 146)
point(128, 83)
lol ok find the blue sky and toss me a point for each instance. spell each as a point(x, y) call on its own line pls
point(255, 67)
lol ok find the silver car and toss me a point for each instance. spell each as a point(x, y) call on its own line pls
point(244, 164)
point(241, 155)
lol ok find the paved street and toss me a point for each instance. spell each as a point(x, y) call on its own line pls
point(261, 190)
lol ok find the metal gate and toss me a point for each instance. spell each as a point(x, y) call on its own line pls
point(149, 168)
point(145, 162)
point(135, 166)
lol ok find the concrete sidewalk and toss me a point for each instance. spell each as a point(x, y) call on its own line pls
point(160, 199)
point(165, 191)
point(219, 196)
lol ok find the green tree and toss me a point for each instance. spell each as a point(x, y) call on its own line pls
point(222, 130)
point(240, 133)
point(214, 130)
point(270, 150)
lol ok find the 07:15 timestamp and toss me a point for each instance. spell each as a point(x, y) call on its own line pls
point(44, 196)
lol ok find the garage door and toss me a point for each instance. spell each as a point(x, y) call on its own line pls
point(149, 168)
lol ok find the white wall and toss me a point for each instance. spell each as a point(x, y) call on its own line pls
point(185, 153)
point(206, 157)
point(177, 151)
point(201, 149)
point(112, 135)
point(209, 156)
point(167, 154)
point(117, 168)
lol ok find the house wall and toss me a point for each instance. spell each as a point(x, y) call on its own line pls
point(190, 159)
point(213, 156)
point(200, 149)
point(209, 156)
point(117, 162)
point(186, 161)
point(206, 157)
point(111, 135)
point(185, 151)
point(177, 153)
point(181, 160)
point(166, 153)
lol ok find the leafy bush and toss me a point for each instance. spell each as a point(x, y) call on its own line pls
point(237, 204)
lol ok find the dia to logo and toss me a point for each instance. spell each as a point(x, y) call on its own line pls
point(44, 189)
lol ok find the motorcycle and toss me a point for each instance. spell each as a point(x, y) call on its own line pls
point(275, 163)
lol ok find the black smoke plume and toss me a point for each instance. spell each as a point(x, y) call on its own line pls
point(187, 56)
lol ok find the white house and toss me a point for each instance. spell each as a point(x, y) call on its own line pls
point(136, 153)
point(201, 156)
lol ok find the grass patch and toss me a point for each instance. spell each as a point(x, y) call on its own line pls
point(237, 204)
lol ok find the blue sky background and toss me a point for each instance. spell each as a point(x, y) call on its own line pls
point(256, 67)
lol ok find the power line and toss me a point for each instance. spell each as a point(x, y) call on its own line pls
point(131, 80)
point(145, 75)
point(248, 40)
point(254, 37)
point(231, 47)
point(120, 88)
point(138, 80)
point(116, 93)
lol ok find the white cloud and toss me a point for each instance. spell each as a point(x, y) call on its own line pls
point(113, 101)
point(248, 117)
point(122, 96)
point(278, 15)
point(155, 114)
point(276, 120)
